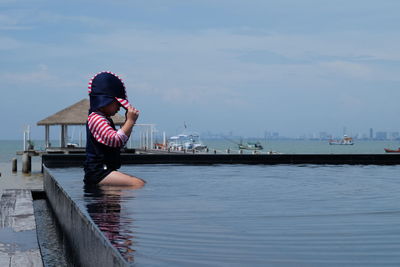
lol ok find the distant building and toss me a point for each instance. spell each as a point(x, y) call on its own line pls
point(371, 133)
point(302, 137)
point(275, 135)
point(394, 135)
point(325, 136)
point(267, 135)
point(381, 135)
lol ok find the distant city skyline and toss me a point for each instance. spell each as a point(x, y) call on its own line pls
point(379, 135)
point(293, 67)
point(77, 132)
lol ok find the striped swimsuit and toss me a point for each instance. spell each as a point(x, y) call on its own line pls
point(102, 131)
point(103, 140)
point(102, 148)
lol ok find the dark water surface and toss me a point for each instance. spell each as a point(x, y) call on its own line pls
point(240, 215)
point(53, 245)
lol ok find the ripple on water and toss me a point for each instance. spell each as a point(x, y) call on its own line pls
point(235, 215)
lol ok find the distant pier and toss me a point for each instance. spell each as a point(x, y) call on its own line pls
point(151, 157)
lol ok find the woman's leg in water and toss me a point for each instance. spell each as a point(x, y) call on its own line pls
point(121, 179)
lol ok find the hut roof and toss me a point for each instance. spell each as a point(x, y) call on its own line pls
point(75, 115)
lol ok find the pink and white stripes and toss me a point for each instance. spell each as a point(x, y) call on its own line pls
point(102, 131)
point(123, 102)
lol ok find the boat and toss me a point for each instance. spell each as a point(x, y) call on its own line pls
point(247, 146)
point(186, 141)
point(250, 146)
point(72, 145)
point(160, 146)
point(388, 150)
point(346, 140)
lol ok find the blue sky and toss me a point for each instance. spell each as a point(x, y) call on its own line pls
point(248, 67)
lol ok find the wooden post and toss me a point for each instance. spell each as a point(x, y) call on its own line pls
point(81, 142)
point(47, 135)
point(26, 163)
point(14, 165)
point(24, 140)
point(147, 139)
point(61, 135)
point(65, 135)
point(151, 136)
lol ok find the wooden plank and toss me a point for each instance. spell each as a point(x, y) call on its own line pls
point(24, 219)
point(26, 258)
point(18, 241)
point(5, 258)
point(7, 205)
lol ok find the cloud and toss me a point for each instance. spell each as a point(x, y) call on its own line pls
point(10, 23)
point(7, 43)
point(351, 69)
point(15, 20)
point(57, 18)
point(214, 62)
point(186, 95)
point(34, 17)
point(40, 77)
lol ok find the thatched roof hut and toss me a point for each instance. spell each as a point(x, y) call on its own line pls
point(75, 114)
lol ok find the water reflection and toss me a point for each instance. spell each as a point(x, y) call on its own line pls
point(103, 203)
point(241, 215)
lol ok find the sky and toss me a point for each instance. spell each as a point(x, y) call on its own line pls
point(221, 66)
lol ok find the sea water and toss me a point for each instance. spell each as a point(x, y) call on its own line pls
point(241, 215)
point(235, 215)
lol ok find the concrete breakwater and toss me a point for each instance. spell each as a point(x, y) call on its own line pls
point(74, 160)
point(89, 245)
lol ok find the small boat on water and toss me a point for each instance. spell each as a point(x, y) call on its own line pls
point(186, 141)
point(346, 140)
point(388, 150)
point(251, 146)
point(247, 145)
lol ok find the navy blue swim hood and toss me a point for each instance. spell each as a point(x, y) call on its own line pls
point(104, 88)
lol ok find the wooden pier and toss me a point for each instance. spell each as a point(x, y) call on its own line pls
point(18, 240)
point(151, 157)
